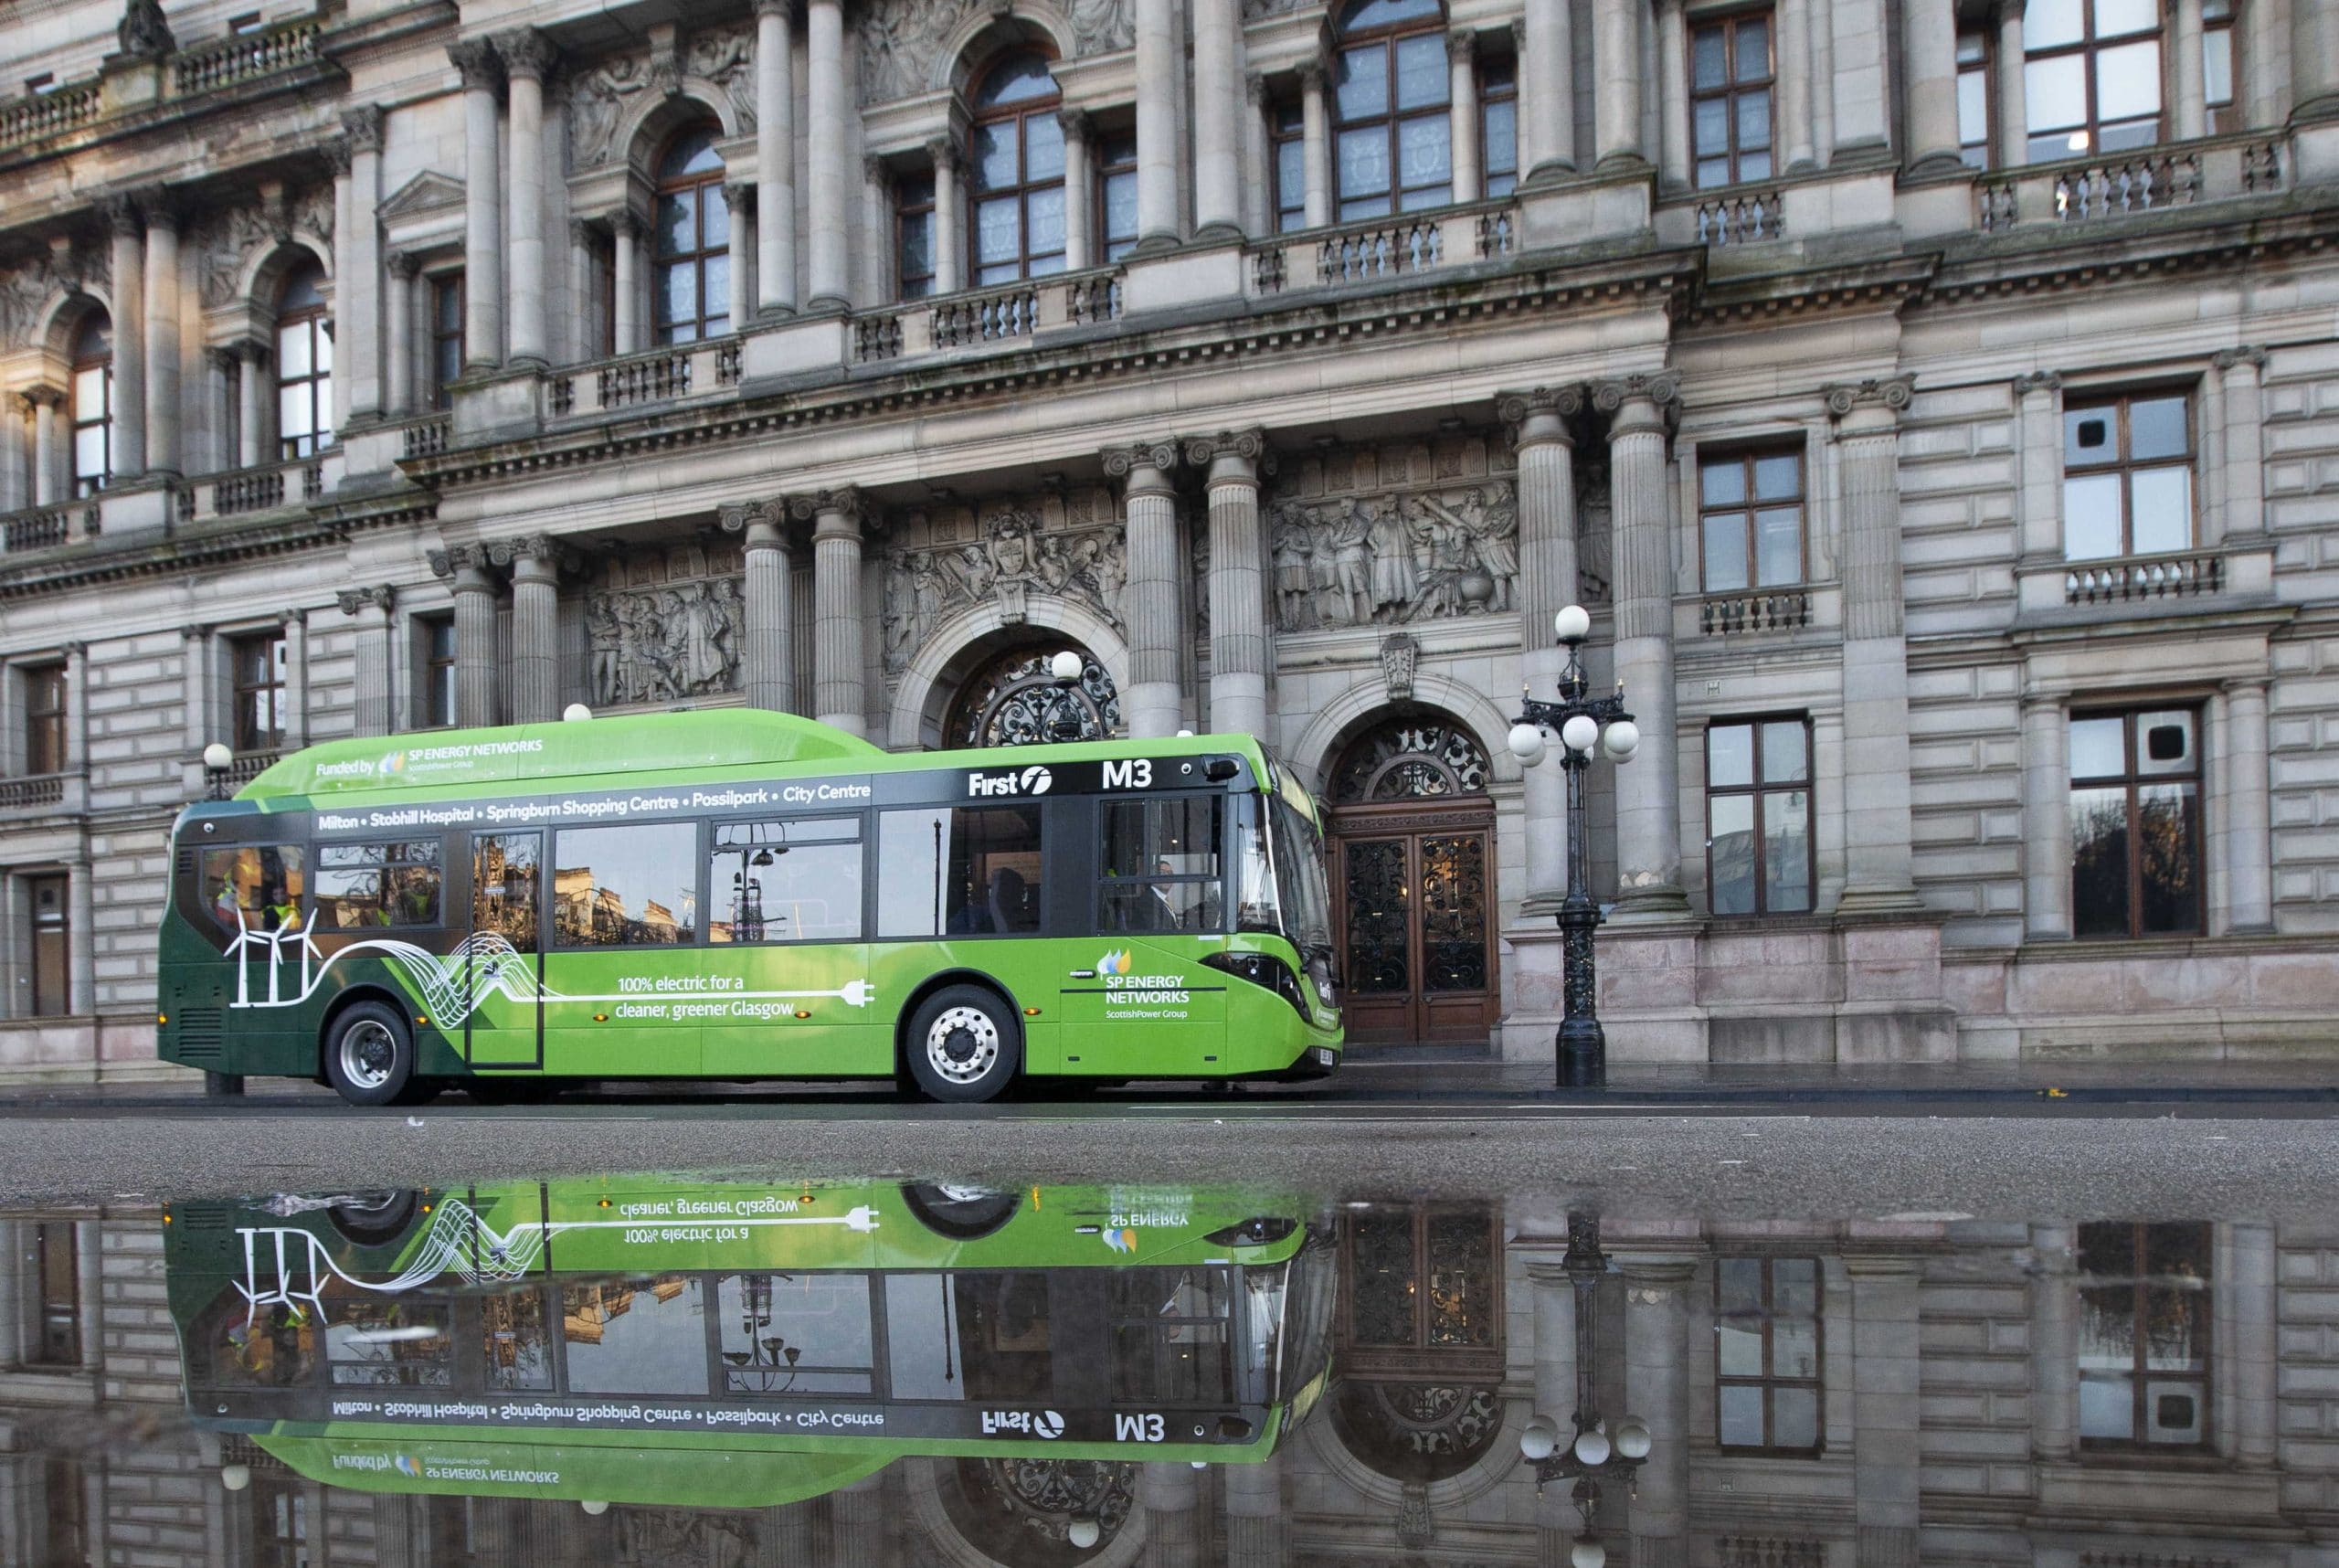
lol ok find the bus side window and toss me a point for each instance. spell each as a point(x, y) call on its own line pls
point(970, 871)
point(1157, 866)
point(784, 882)
point(625, 887)
point(373, 886)
point(255, 887)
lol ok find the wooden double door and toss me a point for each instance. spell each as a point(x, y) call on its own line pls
point(1414, 901)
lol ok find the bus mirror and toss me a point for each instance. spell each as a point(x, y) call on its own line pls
point(1218, 769)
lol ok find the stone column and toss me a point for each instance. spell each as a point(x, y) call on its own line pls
point(2046, 819)
point(839, 658)
point(1218, 123)
point(1258, 159)
point(1616, 82)
point(1673, 96)
point(2248, 846)
point(1160, 77)
point(1547, 91)
point(625, 286)
point(1878, 872)
point(2054, 1345)
point(252, 409)
point(403, 268)
point(220, 370)
point(476, 673)
point(1885, 1292)
point(129, 279)
point(2241, 372)
point(1928, 58)
point(1656, 1389)
point(482, 207)
point(1316, 143)
point(1238, 624)
point(1171, 1496)
point(15, 490)
point(775, 159)
point(162, 344)
point(82, 970)
point(1546, 584)
point(2190, 107)
point(1793, 130)
point(358, 302)
point(535, 627)
point(50, 487)
point(1150, 701)
point(735, 199)
point(2314, 62)
point(831, 107)
point(949, 217)
point(1080, 248)
point(1258, 1534)
point(372, 607)
point(527, 55)
point(2251, 1307)
point(1648, 810)
point(1857, 37)
point(767, 663)
point(1462, 112)
point(2013, 112)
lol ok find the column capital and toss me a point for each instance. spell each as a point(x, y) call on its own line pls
point(1889, 393)
point(1075, 124)
point(224, 357)
point(784, 9)
point(160, 206)
point(41, 395)
point(736, 195)
point(1254, 89)
point(625, 223)
point(1462, 44)
point(1650, 1279)
point(943, 151)
point(526, 52)
point(1249, 446)
point(362, 126)
point(2227, 358)
point(748, 516)
point(465, 564)
point(73, 648)
point(482, 69)
point(541, 553)
point(1312, 75)
point(2037, 381)
point(1558, 403)
point(382, 596)
point(1658, 388)
point(832, 513)
point(196, 632)
point(1121, 463)
point(334, 150)
point(253, 352)
point(405, 265)
point(120, 212)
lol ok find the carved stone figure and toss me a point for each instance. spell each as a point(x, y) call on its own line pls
point(143, 34)
point(26, 290)
point(664, 642)
point(900, 40)
point(1395, 557)
point(1100, 27)
point(1016, 558)
point(597, 101)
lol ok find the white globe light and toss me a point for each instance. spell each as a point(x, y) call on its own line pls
point(235, 1477)
point(218, 758)
point(1539, 1439)
point(1572, 624)
point(1588, 1554)
point(1592, 1446)
point(1066, 666)
point(1621, 740)
point(1527, 743)
point(1084, 1533)
point(575, 712)
point(1185, 735)
point(1581, 733)
point(1633, 1438)
point(596, 1507)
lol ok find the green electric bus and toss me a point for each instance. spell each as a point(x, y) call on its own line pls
point(745, 894)
point(737, 1344)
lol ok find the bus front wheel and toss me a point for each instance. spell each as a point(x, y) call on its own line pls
point(964, 1045)
point(369, 1055)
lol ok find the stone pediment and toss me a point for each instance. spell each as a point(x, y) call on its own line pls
point(428, 192)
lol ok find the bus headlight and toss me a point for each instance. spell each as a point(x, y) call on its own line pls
point(1260, 1230)
point(1263, 969)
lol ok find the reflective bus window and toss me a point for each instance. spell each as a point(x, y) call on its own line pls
point(256, 888)
point(392, 1344)
point(784, 882)
point(801, 1333)
point(1171, 1337)
point(363, 886)
point(644, 1338)
point(1159, 866)
point(965, 871)
point(515, 1341)
point(270, 1347)
point(625, 887)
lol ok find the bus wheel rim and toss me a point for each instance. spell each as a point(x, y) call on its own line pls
point(962, 1044)
point(367, 1052)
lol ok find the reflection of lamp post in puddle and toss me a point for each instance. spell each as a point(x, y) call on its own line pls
point(1595, 1453)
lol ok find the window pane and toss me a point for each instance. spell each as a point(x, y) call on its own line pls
point(1754, 119)
point(1501, 136)
point(361, 885)
point(676, 229)
point(1712, 126)
point(2099, 863)
point(293, 359)
point(1362, 90)
point(1778, 546)
point(2127, 82)
point(1364, 162)
point(1794, 1287)
point(1778, 478)
point(1291, 187)
point(630, 887)
point(2090, 436)
point(1423, 78)
point(2156, 427)
point(2163, 501)
point(910, 849)
point(1043, 219)
point(1741, 1409)
point(1710, 59)
point(1753, 60)
point(678, 293)
point(2113, 17)
point(2108, 1408)
point(2054, 95)
point(263, 884)
point(447, 305)
point(1782, 752)
point(292, 411)
point(1424, 148)
point(1973, 109)
point(1730, 756)
point(717, 284)
point(1794, 1413)
point(1043, 147)
point(1786, 852)
point(2169, 837)
point(994, 155)
point(2050, 24)
point(917, 246)
point(2092, 517)
point(774, 881)
point(1730, 831)
point(1172, 838)
point(2165, 742)
point(2099, 747)
point(715, 233)
point(1725, 551)
point(998, 231)
point(1712, 172)
point(639, 1337)
point(1738, 1349)
point(1721, 483)
point(89, 393)
point(2216, 65)
point(1740, 1285)
point(992, 882)
point(1754, 165)
point(89, 453)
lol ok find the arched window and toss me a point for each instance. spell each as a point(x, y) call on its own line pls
point(1012, 700)
point(1395, 140)
point(92, 404)
point(303, 364)
point(1018, 173)
point(1410, 758)
point(694, 288)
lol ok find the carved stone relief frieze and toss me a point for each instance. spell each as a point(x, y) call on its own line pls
point(1255, 9)
point(1066, 543)
point(230, 240)
point(1365, 536)
point(27, 288)
point(900, 40)
point(600, 96)
point(665, 624)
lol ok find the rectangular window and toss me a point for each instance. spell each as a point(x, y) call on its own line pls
point(1117, 195)
point(643, 1336)
point(401, 1343)
point(958, 871)
point(914, 240)
point(2091, 77)
point(2128, 477)
point(786, 882)
point(58, 1264)
point(52, 975)
point(2136, 823)
point(437, 696)
point(2144, 1335)
point(1974, 99)
point(1160, 869)
point(66, 1512)
point(370, 887)
point(2217, 66)
point(255, 887)
point(1730, 99)
point(256, 666)
point(44, 697)
point(1749, 520)
point(515, 1341)
point(1286, 131)
point(279, 1522)
point(446, 336)
point(1766, 1353)
point(249, 22)
point(1498, 124)
point(41, 86)
point(1172, 1336)
point(804, 1334)
point(1758, 816)
point(625, 887)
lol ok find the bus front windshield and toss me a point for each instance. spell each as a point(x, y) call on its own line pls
point(1283, 876)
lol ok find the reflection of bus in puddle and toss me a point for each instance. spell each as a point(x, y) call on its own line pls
point(653, 1339)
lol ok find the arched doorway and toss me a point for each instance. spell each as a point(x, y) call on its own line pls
point(1412, 860)
point(1011, 699)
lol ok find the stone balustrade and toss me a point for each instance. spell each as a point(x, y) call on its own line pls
point(238, 492)
point(32, 793)
point(2144, 578)
point(426, 437)
point(2148, 180)
point(1383, 249)
point(1741, 217)
point(245, 56)
point(1721, 614)
point(48, 114)
point(1018, 313)
point(43, 527)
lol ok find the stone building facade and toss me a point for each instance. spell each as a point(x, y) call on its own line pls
point(1952, 480)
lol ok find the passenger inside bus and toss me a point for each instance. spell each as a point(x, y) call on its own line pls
point(1006, 906)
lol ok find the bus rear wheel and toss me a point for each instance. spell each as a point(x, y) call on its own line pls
point(964, 1045)
point(369, 1055)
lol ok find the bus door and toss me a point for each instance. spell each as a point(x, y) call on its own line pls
point(503, 955)
point(1137, 1001)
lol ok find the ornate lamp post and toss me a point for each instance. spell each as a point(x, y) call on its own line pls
point(1595, 1455)
point(1063, 715)
point(1583, 722)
